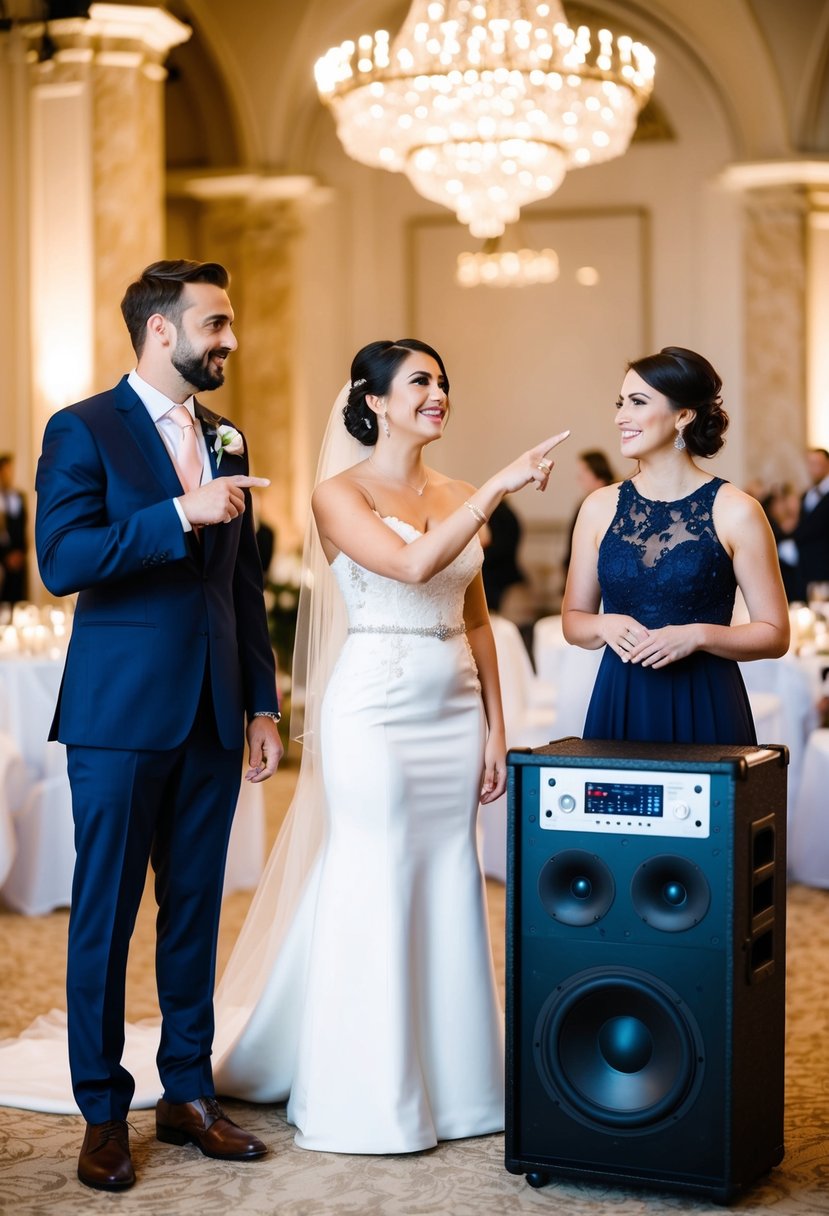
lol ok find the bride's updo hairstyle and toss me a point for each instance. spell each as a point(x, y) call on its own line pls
point(372, 371)
point(689, 382)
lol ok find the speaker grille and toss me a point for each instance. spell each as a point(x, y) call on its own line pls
point(619, 1050)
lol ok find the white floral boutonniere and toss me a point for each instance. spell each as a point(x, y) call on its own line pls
point(227, 440)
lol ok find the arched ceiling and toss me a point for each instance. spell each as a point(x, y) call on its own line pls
point(766, 63)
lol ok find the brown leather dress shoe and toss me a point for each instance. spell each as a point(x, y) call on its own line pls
point(105, 1161)
point(204, 1123)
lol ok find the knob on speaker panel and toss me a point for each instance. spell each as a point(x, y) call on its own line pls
point(670, 893)
point(576, 887)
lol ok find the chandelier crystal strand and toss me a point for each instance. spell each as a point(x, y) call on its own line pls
point(486, 104)
point(507, 268)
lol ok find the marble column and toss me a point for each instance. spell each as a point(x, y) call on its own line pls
point(249, 222)
point(775, 333)
point(96, 189)
point(15, 395)
point(818, 317)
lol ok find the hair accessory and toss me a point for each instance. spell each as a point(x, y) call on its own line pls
point(367, 423)
point(358, 383)
point(679, 442)
point(476, 511)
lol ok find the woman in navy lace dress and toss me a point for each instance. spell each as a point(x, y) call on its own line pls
point(663, 554)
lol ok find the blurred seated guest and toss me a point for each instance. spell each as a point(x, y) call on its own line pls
point(501, 538)
point(265, 543)
point(782, 507)
point(593, 470)
point(812, 532)
point(13, 543)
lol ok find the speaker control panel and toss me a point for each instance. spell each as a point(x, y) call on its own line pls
point(636, 802)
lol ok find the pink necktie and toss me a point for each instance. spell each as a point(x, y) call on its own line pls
point(188, 458)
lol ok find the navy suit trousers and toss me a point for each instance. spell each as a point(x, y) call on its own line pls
point(174, 808)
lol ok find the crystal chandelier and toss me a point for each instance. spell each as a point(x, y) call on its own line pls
point(485, 104)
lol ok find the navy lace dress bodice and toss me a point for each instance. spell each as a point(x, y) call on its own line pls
point(662, 563)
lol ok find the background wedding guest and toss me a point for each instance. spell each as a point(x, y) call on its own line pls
point(169, 656)
point(593, 470)
point(782, 507)
point(501, 539)
point(812, 532)
point(14, 545)
point(266, 545)
point(662, 555)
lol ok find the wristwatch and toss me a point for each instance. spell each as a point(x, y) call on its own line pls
point(266, 713)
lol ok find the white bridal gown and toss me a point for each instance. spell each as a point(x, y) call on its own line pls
point(378, 1016)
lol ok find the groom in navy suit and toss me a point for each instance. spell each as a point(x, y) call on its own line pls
point(143, 509)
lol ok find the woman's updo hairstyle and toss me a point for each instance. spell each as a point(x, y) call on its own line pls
point(689, 382)
point(372, 371)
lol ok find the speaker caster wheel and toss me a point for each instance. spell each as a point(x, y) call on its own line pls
point(537, 1178)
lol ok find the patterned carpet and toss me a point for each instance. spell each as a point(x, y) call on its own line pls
point(38, 1153)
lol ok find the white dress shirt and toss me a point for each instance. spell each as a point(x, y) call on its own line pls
point(812, 497)
point(158, 407)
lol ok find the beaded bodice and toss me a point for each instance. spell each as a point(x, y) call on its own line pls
point(376, 604)
point(662, 562)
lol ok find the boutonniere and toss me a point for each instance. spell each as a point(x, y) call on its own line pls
point(227, 439)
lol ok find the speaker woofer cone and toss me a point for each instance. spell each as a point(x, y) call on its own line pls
point(670, 893)
point(618, 1049)
point(576, 887)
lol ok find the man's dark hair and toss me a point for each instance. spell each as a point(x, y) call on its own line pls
point(160, 289)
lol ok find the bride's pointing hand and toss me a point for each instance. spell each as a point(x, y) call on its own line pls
point(534, 465)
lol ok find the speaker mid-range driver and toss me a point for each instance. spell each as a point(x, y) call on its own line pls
point(576, 887)
point(618, 1048)
point(670, 893)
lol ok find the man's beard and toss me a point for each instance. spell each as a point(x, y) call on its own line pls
point(195, 368)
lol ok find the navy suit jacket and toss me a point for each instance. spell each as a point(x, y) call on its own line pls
point(156, 607)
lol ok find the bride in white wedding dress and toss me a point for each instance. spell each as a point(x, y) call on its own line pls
point(361, 986)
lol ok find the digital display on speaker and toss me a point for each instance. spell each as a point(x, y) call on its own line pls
point(618, 798)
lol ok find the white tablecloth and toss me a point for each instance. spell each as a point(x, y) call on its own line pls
point(796, 682)
point(28, 694)
point(809, 825)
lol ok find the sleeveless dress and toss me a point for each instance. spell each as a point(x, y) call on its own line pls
point(378, 1018)
point(662, 563)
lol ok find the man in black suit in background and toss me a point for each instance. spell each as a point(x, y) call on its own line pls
point(812, 532)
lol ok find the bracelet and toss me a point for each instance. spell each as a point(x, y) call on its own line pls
point(266, 713)
point(476, 511)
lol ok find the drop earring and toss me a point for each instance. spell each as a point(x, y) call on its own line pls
point(679, 442)
point(387, 432)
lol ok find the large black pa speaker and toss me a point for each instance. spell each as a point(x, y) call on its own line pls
point(646, 964)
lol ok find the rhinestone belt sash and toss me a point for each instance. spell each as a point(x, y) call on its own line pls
point(442, 632)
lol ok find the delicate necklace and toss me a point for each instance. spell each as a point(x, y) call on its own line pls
point(400, 481)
